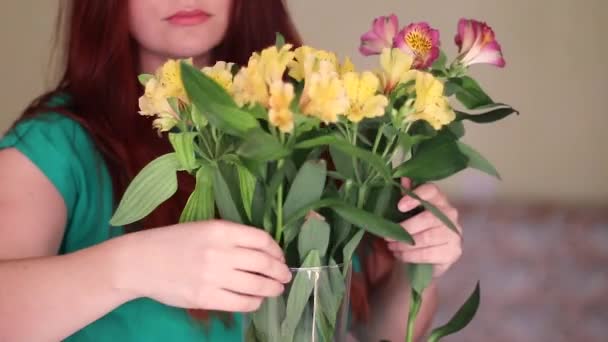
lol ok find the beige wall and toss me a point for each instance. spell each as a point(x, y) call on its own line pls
point(556, 76)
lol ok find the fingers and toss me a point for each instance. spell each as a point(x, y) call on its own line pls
point(234, 302)
point(432, 237)
point(438, 255)
point(251, 284)
point(428, 192)
point(261, 263)
point(426, 220)
point(406, 182)
point(258, 239)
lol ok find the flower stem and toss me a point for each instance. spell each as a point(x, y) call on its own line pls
point(378, 137)
point(279, 232)
point(388, 147)
point(361, 196)
point(355, 163)
point(415, 302)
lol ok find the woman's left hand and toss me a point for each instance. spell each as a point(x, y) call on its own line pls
point(435, 242)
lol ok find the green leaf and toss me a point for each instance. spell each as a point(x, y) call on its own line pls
point(261, 146)
point(250, 336)
point(468, 92)
point(336, 175)
point(372, 223)
point(338, 285)
point(279, 41)
point(358, 217)
point(258, 111)
point(257, 211)
point(420, 276)
point(346, 147)
point(487, 117)
point(407, 141)
point(314, 235)
point(144, 79)
point(477, 161)
point(153, 185)
point(457, 128)
point(492, 106)
point(342, 162)
point(324, 327)
point(304, 329)
point(267, 319)
point(461, 319)
point(201, 204)
point(328, 299)
point(440, 62)
point(341, 230)
point(300, 292)
point(350, 248)
point(382, 200)
point(226, 204)
point(439, 159)
point(183, 144)
point(199, 120)
point(415, 304)
point(290, 232)
point(174, 104)
point(198, 85)
point(271, 191)
point(247, 184)
point(217, 105)
point(307, 187)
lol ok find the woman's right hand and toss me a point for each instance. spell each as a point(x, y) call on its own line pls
point(212, 265)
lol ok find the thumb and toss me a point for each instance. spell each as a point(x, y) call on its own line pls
point(406, 182)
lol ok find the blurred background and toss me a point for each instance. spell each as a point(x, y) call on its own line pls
point(538, 239)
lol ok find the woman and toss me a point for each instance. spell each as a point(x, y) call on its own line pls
point(66, 275)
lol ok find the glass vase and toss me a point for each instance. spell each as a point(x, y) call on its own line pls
point(313, 308)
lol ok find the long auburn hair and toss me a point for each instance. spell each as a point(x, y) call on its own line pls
point(101, 65)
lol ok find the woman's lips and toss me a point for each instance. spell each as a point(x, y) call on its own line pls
point(188, 18)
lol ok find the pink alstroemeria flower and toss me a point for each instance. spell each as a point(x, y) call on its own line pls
point(420, 41)
point(477, 44)
point(380, 36)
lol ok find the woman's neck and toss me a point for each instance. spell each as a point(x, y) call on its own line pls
point(150, 61)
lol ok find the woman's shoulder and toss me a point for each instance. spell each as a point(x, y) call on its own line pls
point(58, 146)
point(48, 131)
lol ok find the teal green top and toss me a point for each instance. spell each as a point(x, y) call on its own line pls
point(65, 153)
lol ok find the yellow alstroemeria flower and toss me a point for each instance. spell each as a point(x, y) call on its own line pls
point(154, 103)
point(307, 60)
point(170, 78)
point(279, 115)
point(430, 104)
point(274, 62)
point(346, 67)
point(324, 95)
point(396, 68)
point(221, 73)
point(361, 90)
point(249, 86)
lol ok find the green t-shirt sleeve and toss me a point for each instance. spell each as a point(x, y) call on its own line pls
point(58, 146)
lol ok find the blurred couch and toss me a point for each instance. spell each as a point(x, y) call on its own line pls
point(543, 269)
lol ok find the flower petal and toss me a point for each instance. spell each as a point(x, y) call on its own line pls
point(490, 54)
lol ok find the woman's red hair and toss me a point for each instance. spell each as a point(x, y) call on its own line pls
point(100, 77)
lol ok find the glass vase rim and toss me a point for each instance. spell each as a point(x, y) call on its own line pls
point(316, 268)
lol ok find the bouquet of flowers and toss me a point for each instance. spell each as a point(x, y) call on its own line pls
point(304, 146)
